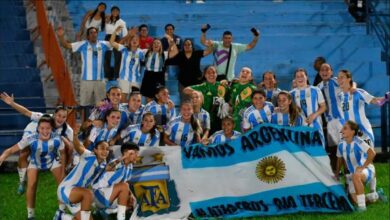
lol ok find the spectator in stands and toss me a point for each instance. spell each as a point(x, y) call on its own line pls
point(226, 52)
point(202, 115)
point(270, 86)
point(211, 90)
point(188, 61)
point(92, 86)
point(155, 67)
point(240, 95)
point(317, 66)
point(145, 41)
point(288, 114)
point(259, 112)
point(226, 134)
point(95, 18)
point(185, 129)
point(169, 31)
point(130, 68)
point(357, 8)
point(112, 58)
point(310, 100)
point(44, 147)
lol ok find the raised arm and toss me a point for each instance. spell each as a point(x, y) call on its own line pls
point(113, 36)
point(209, 48)
point(172, 49)
point(8, 152)
point(204, 29)
point(76, 142)
point(256, 37)
point(64, 43)
point(9, 100)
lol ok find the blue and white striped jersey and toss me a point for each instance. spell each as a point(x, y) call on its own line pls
point(130, 69)
point(43, 153)
point(284, 119)
point(219, 137)
point(161, 113)
point(253, 116)
point(134, 134)
point(352, 108)
point(32, 126)
point(101, 134)
point(354, 154)
point(85, 172)
point(272, 95)
point(179, 132)
point(122, 173)
point(204, 118)
point(154, 62)
point(92, 57)
point(132, 117)
point(330, 89)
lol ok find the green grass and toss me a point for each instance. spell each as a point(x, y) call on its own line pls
point(13, 206)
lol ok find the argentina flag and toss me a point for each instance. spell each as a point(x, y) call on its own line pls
point(270, 170)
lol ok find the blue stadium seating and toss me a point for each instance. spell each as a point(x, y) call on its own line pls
point(293, 33)
point(18, 73)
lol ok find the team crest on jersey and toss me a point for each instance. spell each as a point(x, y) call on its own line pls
point(271, 170)
point(246, 93)
point(221, 91)
point(151, 184)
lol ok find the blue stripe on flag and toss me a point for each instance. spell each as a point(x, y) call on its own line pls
point(137, 171)
point(314, 197)
point(143, 178)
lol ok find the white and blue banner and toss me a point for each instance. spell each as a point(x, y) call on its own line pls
point(270, 170)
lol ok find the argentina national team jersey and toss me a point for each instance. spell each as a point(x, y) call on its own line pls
point(352, 108)
point(179, 132)
point(309, 99)
point(204, 118)
point(85, 172)
point(219, 137)
point(132, 117)
point(101, 134)
point(354, 154)
point(330, 89)
point(272, 94)
point(43, 153)
point(283, 119)
point(160, 112)
point(154, 62)
point(130, 69)
point(253, 116)
point(32, 127)
point(134, 134)
point(92, 57)
point(122, 173)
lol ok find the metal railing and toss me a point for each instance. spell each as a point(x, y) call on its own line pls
point(378, 23)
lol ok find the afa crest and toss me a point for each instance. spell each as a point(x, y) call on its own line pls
point(270, 170)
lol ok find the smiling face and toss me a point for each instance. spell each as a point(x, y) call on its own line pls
point(269, 80)
point(134, 42)
point(130, 156)
point(211, 75)
point(169, 30)
point(258, 100)
point(347, 131)
point(284, 102)
point(186, 111)
point(197, 99)
point(101, 150)
point(187, 46)
point(245, 75)
point(157, 47)
point(113, 119)
point(227, 127)
point(60, 117)
point(115, 95)
point(148, 122)
point(144, 32)
point(44, 130)
point(345, 80)
point(227, 40)
point(326, 72)
point(135, 102)
point(92, 35)
point(301, 79)
point(115, 13)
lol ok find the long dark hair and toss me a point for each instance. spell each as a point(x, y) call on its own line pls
point(112, 19)
point(195, 125)
point(293, 109)
point(305, 72)
point(153, 130)
point(102, 15)
point(64, 125)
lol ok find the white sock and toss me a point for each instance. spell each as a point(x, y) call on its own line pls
point(22, 174)
point(372, 197)
point(361, 200)
point(67, 217)
point(121, 214)
point(86, 214)
point(30, 212)
point(373, 184)
point(61, 206)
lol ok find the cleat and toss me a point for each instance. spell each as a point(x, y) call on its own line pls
point(21, 188)
point(58, 215)
point(382, 196)
point(361, 209)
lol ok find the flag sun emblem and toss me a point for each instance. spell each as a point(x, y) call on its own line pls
point(270, 170)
